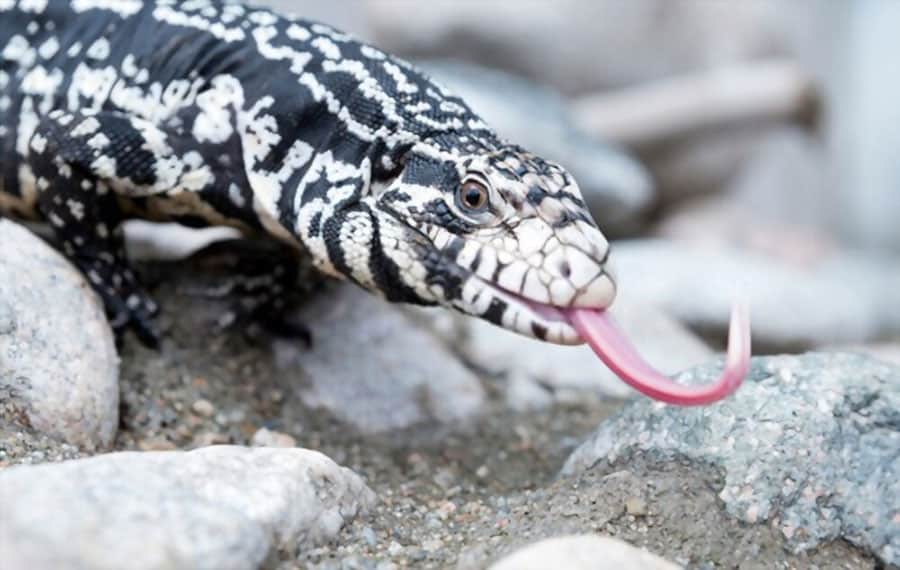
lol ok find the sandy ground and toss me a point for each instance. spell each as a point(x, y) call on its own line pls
point(449, 496)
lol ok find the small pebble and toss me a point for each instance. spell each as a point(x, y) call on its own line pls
point(636, 506)
point(445, 478)
point(433, 545)
point(208, 438)
point(446, 509)
point(269, 438)
point(203, 408)
point(482, 472)
point(156, 443)
point(368, 535)
point(394, 548)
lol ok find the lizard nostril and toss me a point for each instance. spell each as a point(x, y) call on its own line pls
point(565, 269)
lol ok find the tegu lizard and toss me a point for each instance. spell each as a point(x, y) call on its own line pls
point(210, 112)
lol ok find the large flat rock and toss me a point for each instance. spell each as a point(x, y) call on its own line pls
point(219, 507)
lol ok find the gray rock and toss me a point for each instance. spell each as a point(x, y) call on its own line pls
point(558, 370)
point(374, 368)
point(839, 298)
point(218, 507)
point(616, 187)
point(808, 445)
point(885, 351)
point(580, 45)
point(582, 552)
point(778, 200)
point(58, 363)
point(702, 164)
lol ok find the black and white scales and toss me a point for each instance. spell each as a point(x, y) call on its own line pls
point(216, 113)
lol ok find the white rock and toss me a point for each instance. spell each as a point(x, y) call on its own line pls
point(148, 240)
point(218, 507)
point(58, 363)
point(582, 552)
point(533, 366)
point(374, 368)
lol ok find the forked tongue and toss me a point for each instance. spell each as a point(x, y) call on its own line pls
point(600, 331)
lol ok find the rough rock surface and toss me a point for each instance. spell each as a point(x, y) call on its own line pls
point(58, 363)
point(219, 507)
point(836, 299)
point(616, 187)
point(807, 445)
point(374, 368)
point(582, 552)
point(534, 368)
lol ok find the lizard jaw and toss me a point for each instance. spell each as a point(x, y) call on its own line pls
point(518, 314)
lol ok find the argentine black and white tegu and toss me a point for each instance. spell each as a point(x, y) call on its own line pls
point(216, 113)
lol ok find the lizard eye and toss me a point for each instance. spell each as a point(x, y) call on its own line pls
point(473, 196)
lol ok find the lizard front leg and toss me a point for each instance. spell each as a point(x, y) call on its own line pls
point(86, 167)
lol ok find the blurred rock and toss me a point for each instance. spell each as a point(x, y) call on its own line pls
point(702, 164)
point(617, 188)
point(533, 366)
point(581, 45)
point(673, 109)
point(264, 437)
point(218, 507)
point(582, 552)
point(888, 352)
point(779, 202)
point(334, 14)
point(374, 368)
point(151, 241)
point(840, 298)
point(807, 445)
point(58, 364)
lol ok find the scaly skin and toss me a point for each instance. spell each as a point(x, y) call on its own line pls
point(213, 113)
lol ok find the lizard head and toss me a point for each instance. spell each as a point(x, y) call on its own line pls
point(500, 234)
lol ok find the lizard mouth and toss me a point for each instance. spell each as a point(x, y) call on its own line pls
point(517, 313)
point(574, 325)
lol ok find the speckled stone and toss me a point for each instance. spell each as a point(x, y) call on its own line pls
point(58, 364)
point(809, 445)
point(218, 507)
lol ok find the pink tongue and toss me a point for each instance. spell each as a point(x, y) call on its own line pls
point(602, 334)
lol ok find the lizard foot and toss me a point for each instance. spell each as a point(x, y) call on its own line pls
point(128, 306)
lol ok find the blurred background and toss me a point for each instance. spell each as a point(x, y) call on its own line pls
point(737, 149)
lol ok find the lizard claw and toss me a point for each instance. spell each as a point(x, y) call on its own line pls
point(129, 307)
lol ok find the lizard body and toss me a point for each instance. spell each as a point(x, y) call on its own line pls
point(215, 113)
